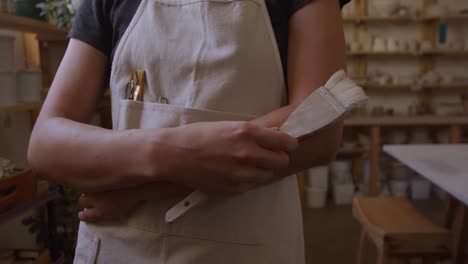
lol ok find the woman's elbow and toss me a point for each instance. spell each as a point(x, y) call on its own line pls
point(37, 153)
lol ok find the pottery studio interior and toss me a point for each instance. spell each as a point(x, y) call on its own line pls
point(362, 158)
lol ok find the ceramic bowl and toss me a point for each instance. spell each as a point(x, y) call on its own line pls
point(385, 8)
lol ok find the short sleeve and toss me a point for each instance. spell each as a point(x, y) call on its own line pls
point(92, 25)
point(295, 5)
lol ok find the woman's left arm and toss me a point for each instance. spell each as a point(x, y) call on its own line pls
point(316, 51)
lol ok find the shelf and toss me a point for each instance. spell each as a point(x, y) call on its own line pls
point(395, 19)
point(403, 19)
point(32, 204)
point(447, 18)
point(351, 151)
point(383, 53)
point(387, 87)
point(397, 87)
point(20, 107)
point(43, 29)
point(445, 52)
point(446, 86)
point(406, 121)
point(408, 53)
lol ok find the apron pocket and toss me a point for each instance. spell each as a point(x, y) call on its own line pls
point(87, 247)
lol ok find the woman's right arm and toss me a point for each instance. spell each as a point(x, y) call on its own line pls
point(223, 157)
point(64, 149)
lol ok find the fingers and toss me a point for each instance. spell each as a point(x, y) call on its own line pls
point(275, 140)
point(91, 215)
point(267, 159)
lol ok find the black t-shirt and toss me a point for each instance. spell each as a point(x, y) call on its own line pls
point(102, 23)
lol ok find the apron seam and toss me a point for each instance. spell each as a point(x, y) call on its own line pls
point(203, 1)
point(166, 235)
point(118, 91)
point(124, 40)
point(274, 42)
point(197, 69)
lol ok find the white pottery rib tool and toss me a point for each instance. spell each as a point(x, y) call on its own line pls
point(324, 106)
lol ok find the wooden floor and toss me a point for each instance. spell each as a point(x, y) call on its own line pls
point(331, 234)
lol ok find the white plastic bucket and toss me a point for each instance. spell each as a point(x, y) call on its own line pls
point(315, 197)
point(439, 192)
point(29, 83)
point(420, 189)
point(317, 177)
point(7, 53)
point(399, 171)
point(343, 193)
point(7, 87)
point(399, 188)
point(341, 171)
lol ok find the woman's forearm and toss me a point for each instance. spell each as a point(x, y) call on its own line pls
point(313, 151)
point(88, 158)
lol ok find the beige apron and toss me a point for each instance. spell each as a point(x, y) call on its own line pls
point(213, 60)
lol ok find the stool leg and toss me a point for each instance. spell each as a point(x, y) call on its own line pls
point(429, 261)
point(382, 257)
point(362, 250)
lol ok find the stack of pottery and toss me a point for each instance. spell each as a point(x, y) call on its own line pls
point(343, 187)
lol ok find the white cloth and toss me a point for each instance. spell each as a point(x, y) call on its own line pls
point(213, 60)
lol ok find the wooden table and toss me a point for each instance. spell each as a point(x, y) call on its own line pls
point(447, 167)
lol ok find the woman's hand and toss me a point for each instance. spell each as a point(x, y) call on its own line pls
point(222, 157)
point(112, 205)
point(106, 206)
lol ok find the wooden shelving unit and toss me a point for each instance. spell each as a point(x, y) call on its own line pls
point(425, 60)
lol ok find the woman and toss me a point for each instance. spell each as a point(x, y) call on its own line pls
point(214, 93)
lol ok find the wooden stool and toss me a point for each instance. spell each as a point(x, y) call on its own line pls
point(399, 231)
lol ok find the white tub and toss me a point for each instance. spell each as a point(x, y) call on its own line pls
point(420, 189)
point(340, 171)
point(399, 188)
point(7, 53)
point(343, 193)
point(315, 197)
point(317, 177)
point(29, 84)
point(7, 87)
